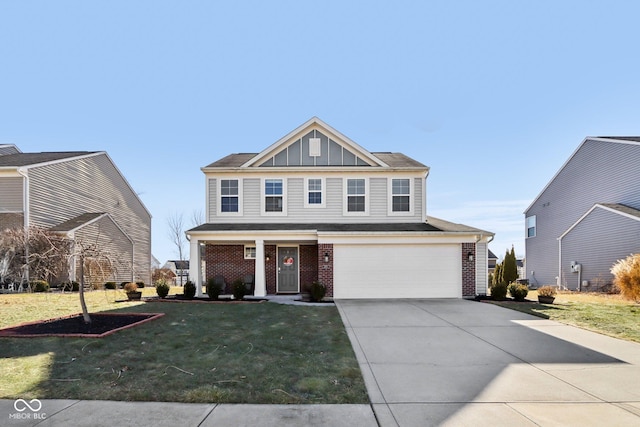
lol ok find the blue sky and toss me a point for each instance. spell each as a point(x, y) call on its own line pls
point(492, 95)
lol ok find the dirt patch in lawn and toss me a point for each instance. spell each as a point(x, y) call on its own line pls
point(102, 324)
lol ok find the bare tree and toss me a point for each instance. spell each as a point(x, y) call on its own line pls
point(197, 217)
point(177, 236)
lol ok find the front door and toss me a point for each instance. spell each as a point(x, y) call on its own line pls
point(288, 270)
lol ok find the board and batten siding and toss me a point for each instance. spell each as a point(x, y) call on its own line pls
point(596, 242)
point(298, 213)
point(599, 172)
point(61, 191)
point(11, 194)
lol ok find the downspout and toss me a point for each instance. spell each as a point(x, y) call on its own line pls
point(25, 214)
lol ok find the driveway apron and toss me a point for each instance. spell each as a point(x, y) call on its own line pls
point(458, 362)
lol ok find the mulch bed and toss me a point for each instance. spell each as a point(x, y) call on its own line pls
point(180, 298)
point(102, 324)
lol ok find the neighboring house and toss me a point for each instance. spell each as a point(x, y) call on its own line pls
point(316, 206)
point(587, 217)
point(81, 195)
point(521, 266)
point(492, 261)
point(180, 269)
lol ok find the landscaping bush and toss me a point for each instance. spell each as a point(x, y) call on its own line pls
point(122, 284)
point(189, 289)
point(71, 286)
point(162, 288)
point(317, 291)
point(39, 286)
point(140, 285)
point(499, 291)
point(518, 291)
point(626, 277)
point(547, 291)
point(239, 290)
point(131, 287)
point(213, 289)
point(110, 285)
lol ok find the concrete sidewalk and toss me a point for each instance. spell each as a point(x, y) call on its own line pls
point(457, 362)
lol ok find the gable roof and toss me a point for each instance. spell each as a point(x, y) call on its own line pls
point(630, 140)
point(77, 222)
point(6, 149)
point(33, 159)
point(616, 208)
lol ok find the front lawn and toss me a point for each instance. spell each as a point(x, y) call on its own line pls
point(606, 314)
point(197, 352)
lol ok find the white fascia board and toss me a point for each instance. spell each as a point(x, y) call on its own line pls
point(309, 124)
point(597, 205)
point(244, 235)
point(407, 238)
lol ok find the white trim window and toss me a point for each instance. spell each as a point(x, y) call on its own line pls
point(229, 199)
point(274, 192)
point(531, 226)
point(314, 193)
point(356, 196)
point(249, 252)
point(400, 196)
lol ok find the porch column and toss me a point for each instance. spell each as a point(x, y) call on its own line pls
point(260, 282)
point(194, 265)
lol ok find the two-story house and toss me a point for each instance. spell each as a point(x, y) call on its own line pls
point(316, 206)
point(587, 217)
point(83, 196)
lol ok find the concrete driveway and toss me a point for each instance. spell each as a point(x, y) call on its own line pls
point(458, 362)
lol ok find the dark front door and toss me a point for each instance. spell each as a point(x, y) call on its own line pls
point(288, 262)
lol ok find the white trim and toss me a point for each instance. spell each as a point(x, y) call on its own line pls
point(263, 196)
point(345, 197)
point(390, 211)
point(526, 227)
point(219, 197)
point(244, 251)
point(323, 193)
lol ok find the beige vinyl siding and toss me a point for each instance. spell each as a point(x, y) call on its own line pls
point(11, 194)
point(333, 193)
point(61, 191)
point(113, 244)
point(482, 263)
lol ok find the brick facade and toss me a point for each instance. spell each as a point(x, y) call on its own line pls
point(325, 269)
point(468, 270)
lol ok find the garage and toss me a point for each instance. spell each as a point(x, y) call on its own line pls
point(397, 271)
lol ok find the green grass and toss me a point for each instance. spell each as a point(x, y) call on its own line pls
point(602, 313)
point(224, 353)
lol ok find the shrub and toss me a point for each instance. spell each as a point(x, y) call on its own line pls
point(499, 291)
point(547, 291)
point(626, 277)
point(131, 287)
point(189, 289)
point(39, 286)
point(140, 284)
point(213, 289)
point(518, 291)
point(71, 286)
point(162, 288)
point(110, 285)
point(239, 290)
point(317, 291)
point(122, 284)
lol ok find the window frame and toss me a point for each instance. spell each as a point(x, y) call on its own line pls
point(527, 227)
point(346, 196)
point(249, 247)
point(390, 196)
point(264, 195)
point(322, 191)
point(219, 197)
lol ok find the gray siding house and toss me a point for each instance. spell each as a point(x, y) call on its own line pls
point(587, 217)
point(82, 195)
point(316, 206)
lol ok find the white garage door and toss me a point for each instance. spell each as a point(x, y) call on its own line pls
point(397, 271)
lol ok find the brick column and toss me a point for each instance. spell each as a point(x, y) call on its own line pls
point(468, 270)
point(325, 269)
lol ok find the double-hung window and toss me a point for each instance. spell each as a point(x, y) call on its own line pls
point(401, 195)
point(273, 191)
point(229, 195)
point(314, 192)
point(531, 226)
point(356, 195)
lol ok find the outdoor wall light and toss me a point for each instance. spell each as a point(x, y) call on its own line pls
point(267, 257)
point(470, 256)
point(326, 257)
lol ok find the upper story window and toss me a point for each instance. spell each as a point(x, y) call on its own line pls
point(274, 196)
point(531, 226)
point(356, 196)
point(401, 195)
point(229, 195)
point(314, 192)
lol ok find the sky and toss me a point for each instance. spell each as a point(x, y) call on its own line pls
point(493, 96)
